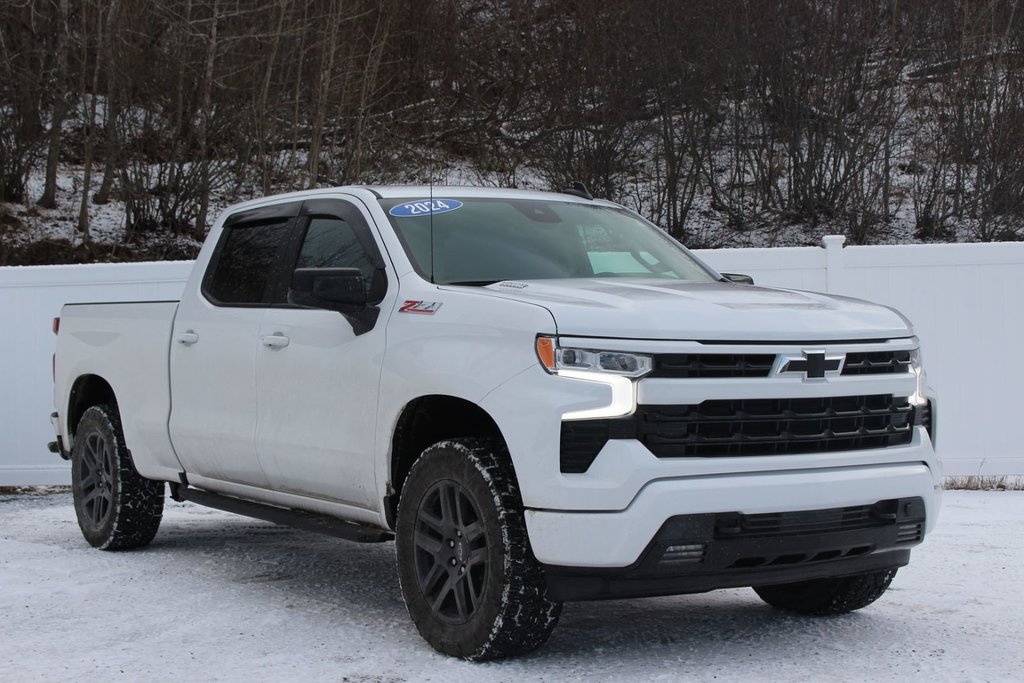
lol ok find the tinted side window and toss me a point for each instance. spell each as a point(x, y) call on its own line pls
point(332, 243)
point(246, 262)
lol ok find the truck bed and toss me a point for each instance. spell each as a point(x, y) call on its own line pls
point(127, 344)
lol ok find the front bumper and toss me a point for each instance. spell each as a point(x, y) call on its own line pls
point(617, 539)
point(695, 553)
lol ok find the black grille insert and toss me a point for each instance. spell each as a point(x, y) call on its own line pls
point(719, 365)
point(876, 362)
point(747, 427)
point(710, 365)
point(733, 525)
point(775, 426)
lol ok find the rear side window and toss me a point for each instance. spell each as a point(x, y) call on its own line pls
point(246, 263)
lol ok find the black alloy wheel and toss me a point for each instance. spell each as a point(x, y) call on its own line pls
point(117, 508)
point(451, 552)
point(469, 576)
point(96, 478)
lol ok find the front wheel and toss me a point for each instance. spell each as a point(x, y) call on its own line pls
point(117, 508)
point(828, 596)
point(469, 578)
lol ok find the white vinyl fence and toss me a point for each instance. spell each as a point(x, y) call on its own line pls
point(30, 297)
point(964, 299)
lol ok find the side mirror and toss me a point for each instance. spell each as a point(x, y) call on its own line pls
point(335, 289)
point(738, 278)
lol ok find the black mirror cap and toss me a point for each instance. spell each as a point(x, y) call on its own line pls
point(335, 289)
point(738, 278)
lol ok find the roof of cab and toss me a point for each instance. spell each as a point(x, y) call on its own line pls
point(417, 192)
point(422, 191)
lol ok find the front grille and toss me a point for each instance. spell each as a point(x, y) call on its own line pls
point(876, 362)
point(775, 426)
point(747, 427)
point(711, 365)
point(723, 365)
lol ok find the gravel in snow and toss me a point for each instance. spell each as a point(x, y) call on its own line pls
point(222, 598)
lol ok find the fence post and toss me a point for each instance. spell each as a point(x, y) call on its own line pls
point(833, 246)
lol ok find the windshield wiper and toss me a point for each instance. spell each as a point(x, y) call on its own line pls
point(473, 283)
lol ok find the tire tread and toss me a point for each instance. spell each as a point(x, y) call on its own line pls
point(824, 597)
point(138, 502)
point(526, 616)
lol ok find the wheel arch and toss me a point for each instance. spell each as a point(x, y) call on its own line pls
point(87, 391)
point(423, 422)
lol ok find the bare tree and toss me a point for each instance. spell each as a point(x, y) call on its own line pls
point(89, 104)
point(60, 103)
point(205, 114)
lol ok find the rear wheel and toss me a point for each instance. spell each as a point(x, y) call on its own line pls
point(469, 578)
point(117, 508)
point(828, 596)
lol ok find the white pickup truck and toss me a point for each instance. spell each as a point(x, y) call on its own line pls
point(540, 397)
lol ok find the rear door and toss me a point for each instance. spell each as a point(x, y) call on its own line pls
point(214, 347)
point(318, 371)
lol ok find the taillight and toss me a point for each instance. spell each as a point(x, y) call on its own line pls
point(53, 362)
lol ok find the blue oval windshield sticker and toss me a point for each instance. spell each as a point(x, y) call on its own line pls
point(425, 207)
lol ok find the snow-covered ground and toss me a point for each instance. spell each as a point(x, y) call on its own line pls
point(219, 597)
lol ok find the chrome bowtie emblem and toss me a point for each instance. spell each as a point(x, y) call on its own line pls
point(812, 364)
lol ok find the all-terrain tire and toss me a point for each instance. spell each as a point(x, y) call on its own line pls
point(117, 508)
point(470, 580)
point(823, 597)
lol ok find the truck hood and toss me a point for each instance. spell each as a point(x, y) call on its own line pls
point(702, 311)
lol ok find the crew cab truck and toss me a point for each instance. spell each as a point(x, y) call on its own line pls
point(541, 397)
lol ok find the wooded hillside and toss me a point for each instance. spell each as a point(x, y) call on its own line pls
point(726, 122)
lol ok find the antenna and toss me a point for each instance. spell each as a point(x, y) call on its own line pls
point(578, 189)
point(431, 214)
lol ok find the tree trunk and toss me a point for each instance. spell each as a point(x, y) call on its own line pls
point(49, 198)
point(323, 93)
point(112, 110)
point(298, 89)
point(181, 29)
point(370, 74)
point(110, 165)
point(83, 209)
point(261, 109)
point(204, 124)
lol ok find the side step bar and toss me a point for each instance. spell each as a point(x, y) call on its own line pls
point(307, 521)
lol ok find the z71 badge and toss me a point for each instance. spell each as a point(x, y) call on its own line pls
point(425, 307)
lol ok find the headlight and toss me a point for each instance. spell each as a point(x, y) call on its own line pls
point(555, 358)
point(614, 369)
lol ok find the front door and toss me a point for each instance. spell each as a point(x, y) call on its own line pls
point(318, 374)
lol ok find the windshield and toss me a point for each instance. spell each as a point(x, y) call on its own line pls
point(484, 240)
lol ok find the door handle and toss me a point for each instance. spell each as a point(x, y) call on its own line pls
point(187, 338)
point(275, 341)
